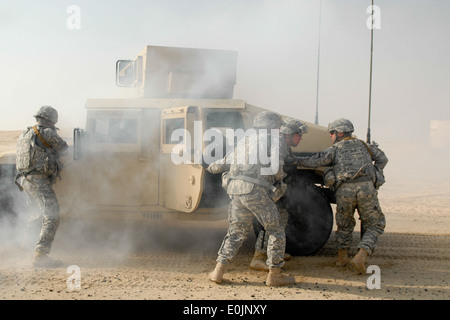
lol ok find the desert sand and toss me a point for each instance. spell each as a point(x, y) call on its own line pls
point(122, 261)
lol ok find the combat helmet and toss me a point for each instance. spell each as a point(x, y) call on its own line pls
point(48, 113)
point(267, 120)
point(292, 126)
point(341, 125)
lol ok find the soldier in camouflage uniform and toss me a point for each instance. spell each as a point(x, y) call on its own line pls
point(38, 166)
point(251, 190)
point(355, 174)
point(291, 135)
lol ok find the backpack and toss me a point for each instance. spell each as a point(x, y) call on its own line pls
point(25, 150)
point(32, 157)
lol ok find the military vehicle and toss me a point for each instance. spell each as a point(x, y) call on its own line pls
point(121, 165)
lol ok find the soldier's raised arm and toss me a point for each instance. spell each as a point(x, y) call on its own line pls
point(320, 159)
point(57, 143)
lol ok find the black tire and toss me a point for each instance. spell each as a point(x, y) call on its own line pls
point(310, 218)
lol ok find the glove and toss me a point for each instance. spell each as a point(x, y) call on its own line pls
point(290, 160)
point(204, 164)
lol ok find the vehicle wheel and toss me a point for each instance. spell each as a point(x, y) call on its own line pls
point(310, 218)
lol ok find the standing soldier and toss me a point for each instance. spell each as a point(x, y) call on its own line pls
point(38, 166)
point(291, 134)
point(356, 173)
point(251, 190)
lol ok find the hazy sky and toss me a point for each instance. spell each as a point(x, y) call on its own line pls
point(45, 62)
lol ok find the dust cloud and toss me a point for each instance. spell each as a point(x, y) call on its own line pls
point(416, 161)
point(111, 184)
point(118, 173)
point(409, 163)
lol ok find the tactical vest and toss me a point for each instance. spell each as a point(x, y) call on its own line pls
point(353, 160)
point(247, 167)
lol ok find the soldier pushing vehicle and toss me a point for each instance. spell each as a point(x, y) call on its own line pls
point(355, 173)
point(252, 195)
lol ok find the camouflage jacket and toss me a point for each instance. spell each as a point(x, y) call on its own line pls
point(350, 158)
point(243, 167)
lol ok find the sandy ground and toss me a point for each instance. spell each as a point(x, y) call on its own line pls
point(122, 261)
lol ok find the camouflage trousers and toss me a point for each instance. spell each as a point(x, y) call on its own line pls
point(263, 235)
point(44, 205)
point(364, 197)
point(242, 209)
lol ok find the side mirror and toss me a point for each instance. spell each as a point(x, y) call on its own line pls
point(126, 73)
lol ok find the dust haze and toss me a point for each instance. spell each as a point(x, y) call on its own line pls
point(277, 59)
point(117, 237)
point(410, 164)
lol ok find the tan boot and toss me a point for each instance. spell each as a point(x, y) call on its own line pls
point(277, 278)
point(217, 274)
point(259, 262)
point(41, 260)
point(359, 261)
point(342, 258)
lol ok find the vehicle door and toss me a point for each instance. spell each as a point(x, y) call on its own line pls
point(182, 176)
point(122, 158)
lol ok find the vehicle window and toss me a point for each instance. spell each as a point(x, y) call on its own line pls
point(115, 130)
point(170, 126)
point(224, 119)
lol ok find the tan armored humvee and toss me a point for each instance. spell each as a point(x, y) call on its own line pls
point(122, 163)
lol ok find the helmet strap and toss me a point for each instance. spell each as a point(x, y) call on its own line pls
point(342, 135)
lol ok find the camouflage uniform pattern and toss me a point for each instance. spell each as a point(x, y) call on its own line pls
point(249, 199)
point(263, 236)
point(243, 208)
point(361, 195)
point(37, 185)
point(290, 126)
point(42, 200)
point(354, 173)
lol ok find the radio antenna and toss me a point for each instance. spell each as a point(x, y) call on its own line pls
point(370, 81)
point(318, 66)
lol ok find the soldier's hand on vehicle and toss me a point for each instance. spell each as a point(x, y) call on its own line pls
point(204, 164)
point(290, 160)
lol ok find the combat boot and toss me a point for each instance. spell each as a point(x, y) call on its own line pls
point(41, 260)
point(277, 278)
point(217, 274)
point(359, 261)
point(259, 262)
point(342, 258)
